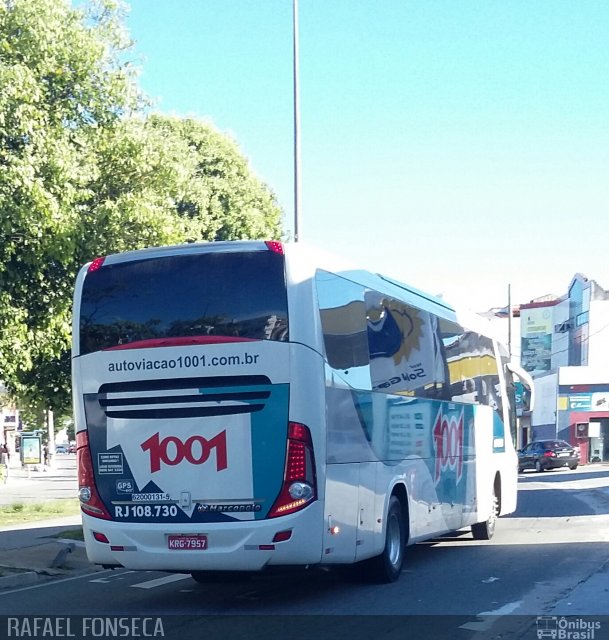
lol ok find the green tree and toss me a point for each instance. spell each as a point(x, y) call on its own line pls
point(64, 77)
point(222, 199)
point(84, 171)
point(162, 180)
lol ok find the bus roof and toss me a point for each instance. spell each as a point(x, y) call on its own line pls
point(310, 258)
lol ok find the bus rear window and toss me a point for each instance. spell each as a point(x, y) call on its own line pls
point(235, 295)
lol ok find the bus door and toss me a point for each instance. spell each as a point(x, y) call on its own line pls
point(366, 521)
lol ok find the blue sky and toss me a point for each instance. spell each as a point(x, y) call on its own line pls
point(456, 145)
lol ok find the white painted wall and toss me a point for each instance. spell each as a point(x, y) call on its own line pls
point(598, 336)
point(546, 390)
point(583, 375)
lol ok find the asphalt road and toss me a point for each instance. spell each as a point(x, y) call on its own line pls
point(539, 563)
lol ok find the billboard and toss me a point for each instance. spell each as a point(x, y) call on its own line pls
point(536, 342)
point(31, 449)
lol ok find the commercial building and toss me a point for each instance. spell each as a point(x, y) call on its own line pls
point(565, 348)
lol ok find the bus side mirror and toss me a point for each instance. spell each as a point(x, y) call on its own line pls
point(526, 380)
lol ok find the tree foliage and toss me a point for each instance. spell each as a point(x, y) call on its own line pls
point(85, 170)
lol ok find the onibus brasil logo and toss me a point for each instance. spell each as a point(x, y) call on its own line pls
point(561, 628)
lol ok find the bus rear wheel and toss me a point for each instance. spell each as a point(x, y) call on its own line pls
point(388, 565)
point(485, 530)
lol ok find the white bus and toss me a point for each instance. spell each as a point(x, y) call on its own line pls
point(242, 405)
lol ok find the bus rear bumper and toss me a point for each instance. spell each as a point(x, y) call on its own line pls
point(235, 546)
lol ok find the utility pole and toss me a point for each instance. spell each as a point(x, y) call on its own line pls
point(50, 423)
point(296, 120)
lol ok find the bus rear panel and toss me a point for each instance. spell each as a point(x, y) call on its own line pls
point(188, 459)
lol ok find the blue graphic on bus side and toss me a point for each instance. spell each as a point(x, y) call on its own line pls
point(440, 434)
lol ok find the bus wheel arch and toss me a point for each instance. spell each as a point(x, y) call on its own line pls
point(387, 566)
point(399, 490)
point(486, 530)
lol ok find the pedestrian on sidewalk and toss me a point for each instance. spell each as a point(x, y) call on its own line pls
point(5, 458)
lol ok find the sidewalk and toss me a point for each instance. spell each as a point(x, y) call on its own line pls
point(39, 483)
point(32, 552)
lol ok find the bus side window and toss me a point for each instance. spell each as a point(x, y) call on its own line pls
point(406, 352)
point(343, 323)
point(474, 375)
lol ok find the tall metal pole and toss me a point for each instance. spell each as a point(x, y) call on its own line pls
point(296, 123)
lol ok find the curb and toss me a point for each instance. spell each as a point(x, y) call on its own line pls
point(76, 543)
point(32, 577)
point(24, 579)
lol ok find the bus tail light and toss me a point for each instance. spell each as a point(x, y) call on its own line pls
point(90, 502)
point(282, 536)
point(101, 537)
point(275, 246)
point(96, 264)
point(299, 482)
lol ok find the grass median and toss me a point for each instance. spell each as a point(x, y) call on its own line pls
point(24, 512)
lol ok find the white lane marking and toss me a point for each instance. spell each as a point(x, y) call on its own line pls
point(50, 583)
point(505, 610)
point(114, 576)
point(490, 617)
point(151, 584)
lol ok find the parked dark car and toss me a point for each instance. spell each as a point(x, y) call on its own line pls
point(547, 454)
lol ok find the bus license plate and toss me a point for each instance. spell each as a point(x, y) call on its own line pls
point(185, 543)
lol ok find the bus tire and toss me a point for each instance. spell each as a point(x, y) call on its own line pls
point(219, 577)
point(486, 530)
point(387, 566)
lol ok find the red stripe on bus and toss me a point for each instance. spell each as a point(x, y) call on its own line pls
point(178, 342)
